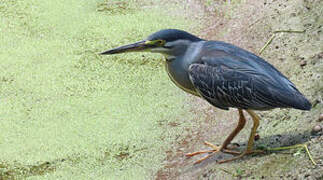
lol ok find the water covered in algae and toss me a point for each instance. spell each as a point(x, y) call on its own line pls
point(66, 112)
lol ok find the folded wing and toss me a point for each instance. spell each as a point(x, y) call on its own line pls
point(242, 86)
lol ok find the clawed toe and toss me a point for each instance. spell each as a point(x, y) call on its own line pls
point(198, 152)
point(241, 155)
point(221, 149)
point(214, 150)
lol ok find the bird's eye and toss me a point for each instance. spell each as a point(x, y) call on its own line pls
point(160, 42)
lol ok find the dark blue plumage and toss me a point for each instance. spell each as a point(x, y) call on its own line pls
point(170, 35)
point(228, 76)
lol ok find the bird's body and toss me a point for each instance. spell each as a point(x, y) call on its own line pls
point(223, 74)
point(228, 76)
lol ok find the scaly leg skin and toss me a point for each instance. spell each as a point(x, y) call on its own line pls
point(249, 150)
point(223, 148)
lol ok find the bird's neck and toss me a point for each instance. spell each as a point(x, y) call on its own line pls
point(193, 53)
point(179, 47)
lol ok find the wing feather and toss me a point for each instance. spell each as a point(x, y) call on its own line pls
point(228, 76)
point(224, 87)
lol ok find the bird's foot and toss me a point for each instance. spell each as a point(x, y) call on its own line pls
point(241, 155)
point(214, 150)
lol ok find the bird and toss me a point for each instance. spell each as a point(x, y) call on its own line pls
point(224, 75)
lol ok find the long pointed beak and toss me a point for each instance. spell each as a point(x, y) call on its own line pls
point(135, 47)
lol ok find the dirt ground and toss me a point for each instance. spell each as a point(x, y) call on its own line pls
point(298, 55)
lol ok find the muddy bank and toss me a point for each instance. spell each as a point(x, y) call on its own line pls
point(250, 24)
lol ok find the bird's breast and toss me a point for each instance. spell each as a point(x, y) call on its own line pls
point(178, 73)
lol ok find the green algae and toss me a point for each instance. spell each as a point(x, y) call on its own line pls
point(67, 112)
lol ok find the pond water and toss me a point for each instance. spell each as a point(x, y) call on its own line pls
point(65, 111)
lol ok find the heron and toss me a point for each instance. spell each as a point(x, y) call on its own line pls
point(224, 75)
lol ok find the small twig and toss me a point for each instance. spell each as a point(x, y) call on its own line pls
point(273, 36)
point(290, 31)
point(293, 147)
point(267, 43)
point(309, 154)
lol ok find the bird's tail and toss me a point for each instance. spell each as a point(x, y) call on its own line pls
point(302, 103)
point(293, 98)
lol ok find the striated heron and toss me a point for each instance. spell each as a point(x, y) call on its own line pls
point(224, 75)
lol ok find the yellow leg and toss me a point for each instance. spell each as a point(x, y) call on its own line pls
point(249, 150)
point(251, 140)
point(223, 148)
point(240, 126)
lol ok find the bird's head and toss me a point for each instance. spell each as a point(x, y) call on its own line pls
point(166, 41)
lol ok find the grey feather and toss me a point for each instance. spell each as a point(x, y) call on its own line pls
point(225, 81)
